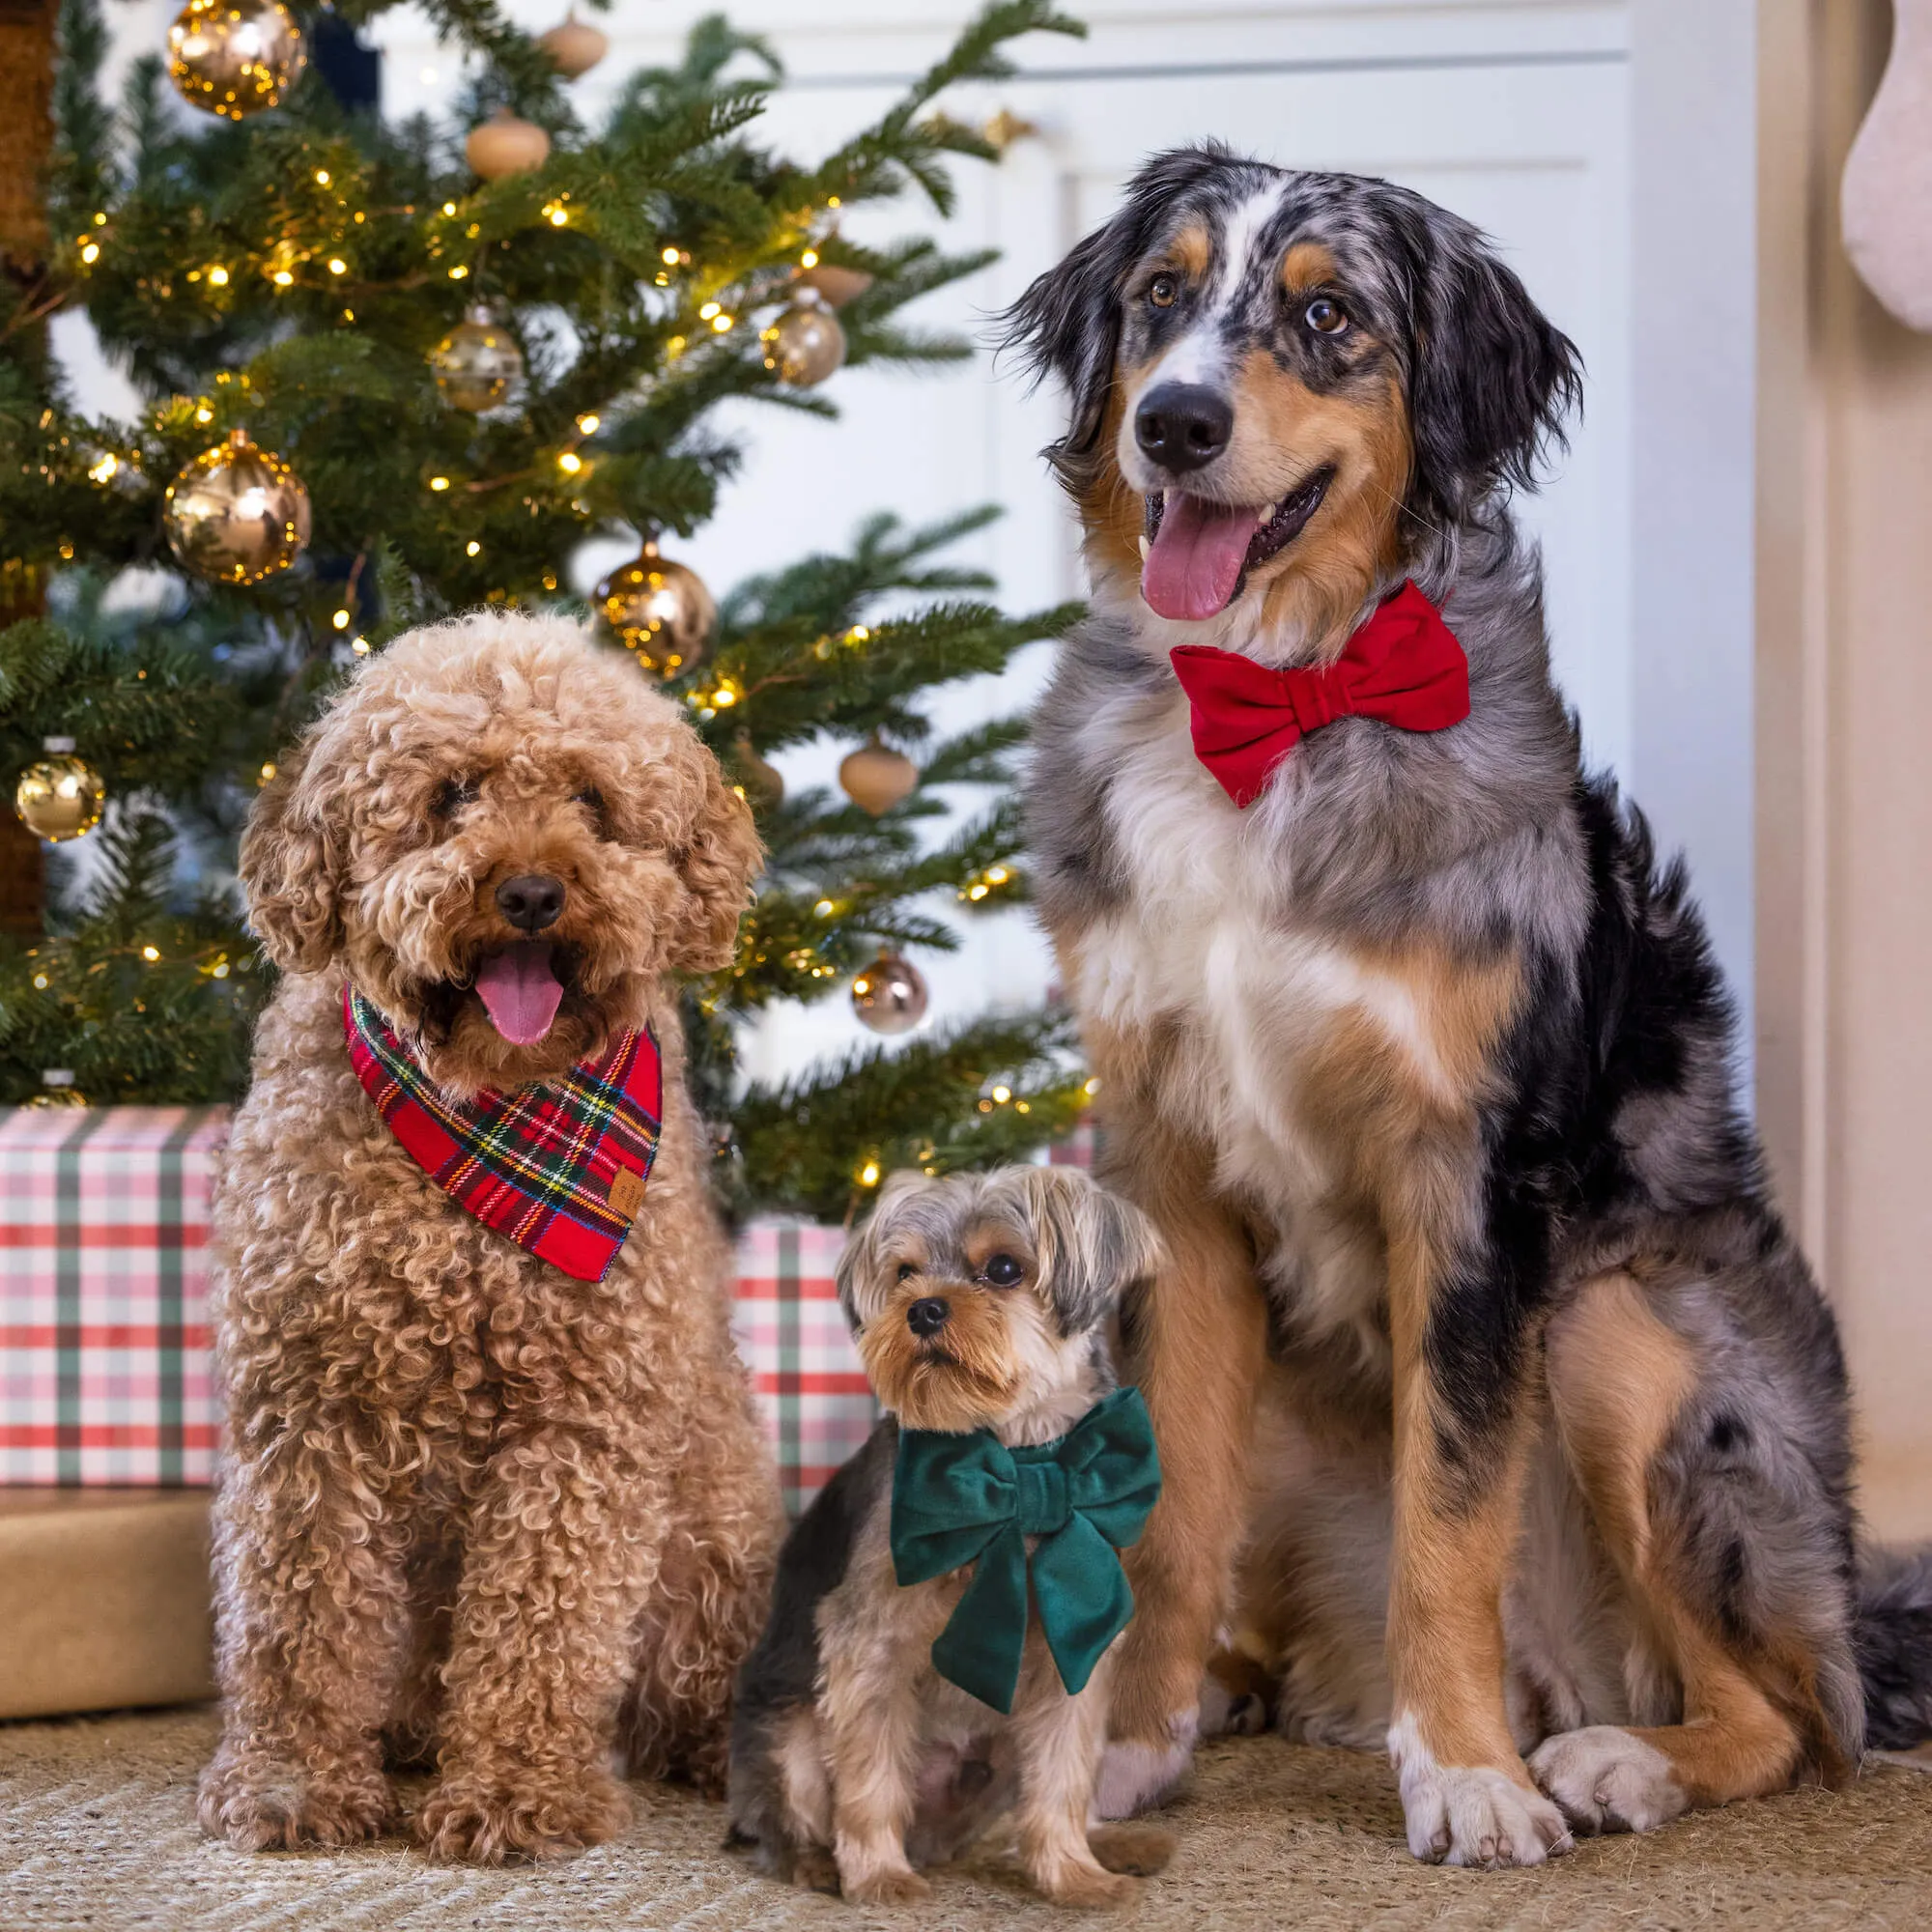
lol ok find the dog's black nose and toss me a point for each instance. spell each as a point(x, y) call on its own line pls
point(928, 1317)
point(530, 901)
point(1183, 425)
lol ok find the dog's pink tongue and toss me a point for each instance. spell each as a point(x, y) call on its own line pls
point(1196, 558)
point(520, 993)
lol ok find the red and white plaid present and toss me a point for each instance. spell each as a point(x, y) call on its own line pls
point(817, 1404)
point(104, 1370)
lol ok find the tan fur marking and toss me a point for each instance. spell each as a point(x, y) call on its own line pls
point(1203, 1333)
point(1320, 581)
point(1113, 515)
point(1308, 265)
point(1191, 250)
point(1618, 1378)
point(953, 1380)
point(1451, 1556)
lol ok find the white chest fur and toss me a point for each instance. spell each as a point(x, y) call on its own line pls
point(1206, 946)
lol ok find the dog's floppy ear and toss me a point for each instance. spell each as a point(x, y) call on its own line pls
point(1493, 378)
point(718, 860)
point(1093, 1245)
point(1068, 323)
point(292, 865)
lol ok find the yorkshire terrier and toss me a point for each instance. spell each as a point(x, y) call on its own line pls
point(944, 1616)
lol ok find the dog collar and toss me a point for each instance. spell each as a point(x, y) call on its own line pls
point(960, 1499)
point(1403, 667)
point(559, 1168)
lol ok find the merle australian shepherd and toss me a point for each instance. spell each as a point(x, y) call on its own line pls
point(1501, 1415)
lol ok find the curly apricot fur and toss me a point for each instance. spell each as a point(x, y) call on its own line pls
point(474, 1510)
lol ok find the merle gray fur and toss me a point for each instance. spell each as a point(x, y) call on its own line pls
point(1614, 1138)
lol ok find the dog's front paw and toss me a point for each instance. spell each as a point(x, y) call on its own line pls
point(526, 1818)
point(1090, 1887)
point(1605, 1780)
point(885, 1885)
point(260, 1804)
point(1471, 1814)
point(1137, 1777)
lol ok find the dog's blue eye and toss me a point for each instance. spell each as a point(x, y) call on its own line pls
point(1003, 1271)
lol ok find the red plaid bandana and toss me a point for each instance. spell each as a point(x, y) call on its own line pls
point(557, 1168)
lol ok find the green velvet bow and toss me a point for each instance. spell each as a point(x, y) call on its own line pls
point(960, 1499)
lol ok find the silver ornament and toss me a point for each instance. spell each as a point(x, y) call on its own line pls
point(890, 995)
point(807, 343)
point(477, 364)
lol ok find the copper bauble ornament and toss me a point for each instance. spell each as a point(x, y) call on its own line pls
point(837, 285)
point(235, 57)
point(806, 344)
point(504, 145)
point(659, 610)
point(61, 797)
point(574, 46)
point(762, 783)
point(57, 1089)
point(876, 778)
point(890, 995)
point(237, 514)
point(477, 363)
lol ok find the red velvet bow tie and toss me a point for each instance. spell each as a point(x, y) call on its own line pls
point(1403, 667)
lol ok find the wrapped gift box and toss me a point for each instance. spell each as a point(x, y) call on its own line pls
point(105, 1367)
point(105, 1373)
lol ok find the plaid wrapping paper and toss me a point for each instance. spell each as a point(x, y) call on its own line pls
point(812, 1393)
point(105, 1376)
point(106, 1373)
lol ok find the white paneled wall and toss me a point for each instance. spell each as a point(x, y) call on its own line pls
point(1516, 113)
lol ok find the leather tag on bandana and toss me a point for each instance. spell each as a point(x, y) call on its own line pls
point(627, 1192)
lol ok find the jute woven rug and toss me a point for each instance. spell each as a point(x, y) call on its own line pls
point(97, 1830)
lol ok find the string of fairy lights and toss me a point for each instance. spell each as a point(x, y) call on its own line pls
point(238, 515)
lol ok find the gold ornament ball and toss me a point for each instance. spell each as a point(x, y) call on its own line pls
point(807, 343)
point(875, 779)
point(574, 46)
point(59, 798)
point(235, 57)
point(477, 363)
point(890, 995)
point(237, 514)
point(659, 610)
point(504, 145)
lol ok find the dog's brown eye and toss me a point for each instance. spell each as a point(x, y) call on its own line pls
point(1003, 1271)
point(1326, 317)
point(452, 795)
point(1162, 290)
point(592, 801)
point(907, 1270)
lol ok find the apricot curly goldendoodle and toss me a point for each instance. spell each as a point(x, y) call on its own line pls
point(477, 1512)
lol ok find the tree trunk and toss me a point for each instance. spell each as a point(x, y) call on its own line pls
point(26, 140)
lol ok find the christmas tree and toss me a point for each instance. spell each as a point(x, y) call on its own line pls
point(392, 372)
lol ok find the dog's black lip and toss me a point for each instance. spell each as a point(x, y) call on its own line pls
point(1280, 531)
